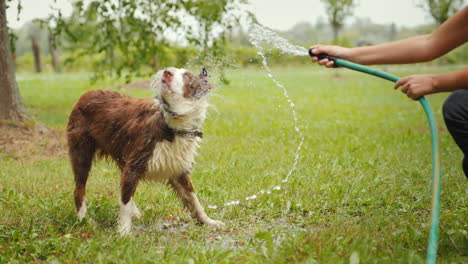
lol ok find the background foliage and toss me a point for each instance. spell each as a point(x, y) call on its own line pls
point(125, 37)
point(235, 46)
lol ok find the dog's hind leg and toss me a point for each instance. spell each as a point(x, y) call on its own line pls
point(130, 178)
point(81, 150)
point(182, 186)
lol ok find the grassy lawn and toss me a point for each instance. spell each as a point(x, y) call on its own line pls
point(361, 189)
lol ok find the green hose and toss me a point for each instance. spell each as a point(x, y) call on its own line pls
point(436, 170)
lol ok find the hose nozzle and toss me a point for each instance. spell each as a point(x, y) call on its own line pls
point(322, 56)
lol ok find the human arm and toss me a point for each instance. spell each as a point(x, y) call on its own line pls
point(415, 86)
point(451, 34)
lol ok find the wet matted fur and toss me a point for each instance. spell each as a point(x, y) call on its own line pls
point(149, 139)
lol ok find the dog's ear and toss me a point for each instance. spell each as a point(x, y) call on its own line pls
point(204, 72)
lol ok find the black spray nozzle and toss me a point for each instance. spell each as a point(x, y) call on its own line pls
point(322, 56)
point(311, 53)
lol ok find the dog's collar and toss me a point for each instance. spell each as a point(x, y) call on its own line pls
point(166, 106)
point(186, 133)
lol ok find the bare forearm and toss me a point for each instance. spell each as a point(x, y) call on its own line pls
point(451, 81)
point(448, 36)
point(411, 50)
point(415, 86)
point(451, 34)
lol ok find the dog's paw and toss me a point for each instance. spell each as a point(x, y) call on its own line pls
point(215, 223)
point(136, 213)
point(80, 218)
point(82, 212)
point(125, 230)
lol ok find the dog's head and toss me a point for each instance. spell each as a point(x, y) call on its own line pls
point(181, 86)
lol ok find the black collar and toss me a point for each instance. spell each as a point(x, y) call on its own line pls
point(186, 133)
point(166, 106)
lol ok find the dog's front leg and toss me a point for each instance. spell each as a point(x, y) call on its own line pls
point(183, 188)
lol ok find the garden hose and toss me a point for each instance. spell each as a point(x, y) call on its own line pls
point(436, 170)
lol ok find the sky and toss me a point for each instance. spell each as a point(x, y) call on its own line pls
point(283, 14)
point(276, 14)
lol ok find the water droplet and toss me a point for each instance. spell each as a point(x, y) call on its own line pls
point(251, 197)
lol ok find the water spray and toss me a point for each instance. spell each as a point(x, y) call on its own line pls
point(436, 170)
point(259, 35)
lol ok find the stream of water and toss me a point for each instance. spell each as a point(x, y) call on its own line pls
point(264, 40)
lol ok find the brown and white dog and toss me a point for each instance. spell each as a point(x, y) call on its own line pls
point(149, 139)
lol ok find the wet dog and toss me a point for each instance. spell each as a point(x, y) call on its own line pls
point(149, 139)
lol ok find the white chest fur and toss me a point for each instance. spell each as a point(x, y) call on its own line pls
point(170, 159)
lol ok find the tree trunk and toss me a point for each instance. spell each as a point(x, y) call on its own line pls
point(335, 33)
point(36, 53)
point(11, 106)
point(155, 63)
point(54, 54)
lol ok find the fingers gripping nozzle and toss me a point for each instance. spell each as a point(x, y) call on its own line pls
point(322, 56)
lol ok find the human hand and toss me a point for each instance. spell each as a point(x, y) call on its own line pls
point(415, 86)
point(336, 51)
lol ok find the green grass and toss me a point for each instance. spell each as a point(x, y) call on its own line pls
point(362, 186)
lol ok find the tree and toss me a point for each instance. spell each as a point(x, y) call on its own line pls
point(54, 53)
point(392, 32)
point(22, 44)
point(129, 35)
point(441, 10)
point(123, 35)
point(11, 105)
point(36, 53)
point(338, 11)
point(303, 33)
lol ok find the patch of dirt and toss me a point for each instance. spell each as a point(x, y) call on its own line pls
point(23, 141)
point(137, 85)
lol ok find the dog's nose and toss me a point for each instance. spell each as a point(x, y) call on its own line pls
point(168, 73)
